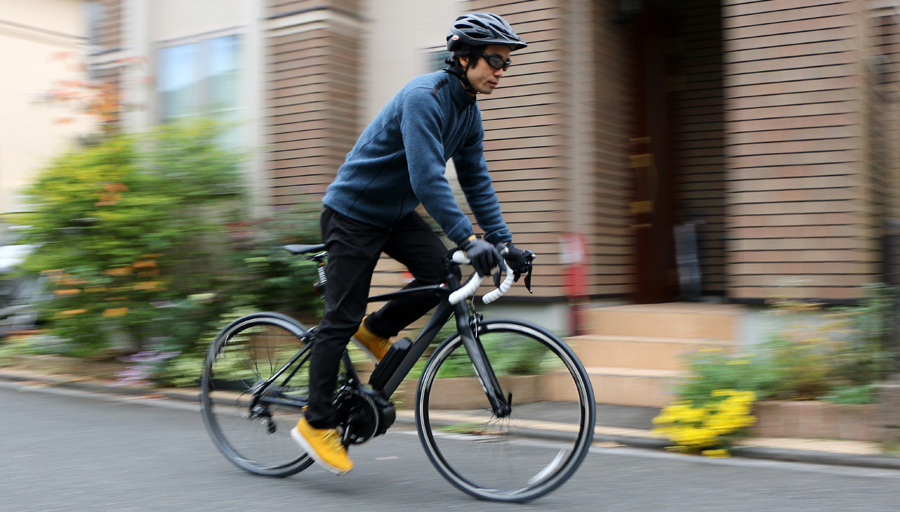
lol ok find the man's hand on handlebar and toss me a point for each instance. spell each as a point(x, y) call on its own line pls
point(515, 257)
point(483, 255)
point(522, 259)
point(520, 262)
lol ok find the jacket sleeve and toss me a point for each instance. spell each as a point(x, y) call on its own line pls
point(421, 125)
point(472, 172)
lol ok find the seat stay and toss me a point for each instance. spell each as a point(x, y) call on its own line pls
point(259, 392)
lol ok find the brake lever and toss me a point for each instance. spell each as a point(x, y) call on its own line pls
point(501, 268)
point(529, 258)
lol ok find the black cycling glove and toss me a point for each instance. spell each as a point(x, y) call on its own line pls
point(515, 257)
point(483, 255)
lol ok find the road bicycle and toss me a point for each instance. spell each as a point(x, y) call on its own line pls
point(481, 407)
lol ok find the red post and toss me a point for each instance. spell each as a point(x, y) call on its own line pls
point(574, 256)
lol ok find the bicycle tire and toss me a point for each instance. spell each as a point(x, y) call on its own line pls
point(244, 354)
point(500, 459)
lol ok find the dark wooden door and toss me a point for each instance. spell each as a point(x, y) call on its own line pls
point(651, 160)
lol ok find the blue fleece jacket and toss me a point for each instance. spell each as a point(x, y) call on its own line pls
point(400, 159)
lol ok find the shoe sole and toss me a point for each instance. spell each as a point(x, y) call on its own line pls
point(298, 437)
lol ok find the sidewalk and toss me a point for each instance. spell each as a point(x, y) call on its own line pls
point(616, 425)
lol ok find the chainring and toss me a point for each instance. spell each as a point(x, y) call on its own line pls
point(358, 415)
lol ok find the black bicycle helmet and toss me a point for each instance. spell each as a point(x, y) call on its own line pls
point(482, 29)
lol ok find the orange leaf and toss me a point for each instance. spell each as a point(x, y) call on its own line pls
point(120, 271)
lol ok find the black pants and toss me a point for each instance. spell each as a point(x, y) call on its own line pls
point(353, 251)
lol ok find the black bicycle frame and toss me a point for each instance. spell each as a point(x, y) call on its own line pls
point(464, 326)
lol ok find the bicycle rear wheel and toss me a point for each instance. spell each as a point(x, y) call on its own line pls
point(255, 435)
point(522, 456)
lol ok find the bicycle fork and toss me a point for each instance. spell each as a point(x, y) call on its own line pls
point(467, 327)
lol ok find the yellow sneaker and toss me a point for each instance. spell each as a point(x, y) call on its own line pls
point(324, 446)
point(371, 343)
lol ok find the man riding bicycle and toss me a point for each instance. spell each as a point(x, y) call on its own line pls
point(399, 162)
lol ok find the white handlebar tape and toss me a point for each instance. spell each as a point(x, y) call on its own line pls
point(504, 287)
point(467, 290)
point(460, 257)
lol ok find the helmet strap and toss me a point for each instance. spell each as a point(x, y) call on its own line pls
point(463, 78)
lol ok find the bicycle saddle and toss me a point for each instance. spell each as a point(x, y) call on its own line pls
point(303, 249)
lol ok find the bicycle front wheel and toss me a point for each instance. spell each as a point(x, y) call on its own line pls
point(526, 454)
point(252, 433)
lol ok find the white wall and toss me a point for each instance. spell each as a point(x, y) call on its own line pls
point(173, 19)
point(33, 34)
point(398, 33)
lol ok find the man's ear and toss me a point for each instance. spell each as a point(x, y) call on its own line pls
point(464, 62)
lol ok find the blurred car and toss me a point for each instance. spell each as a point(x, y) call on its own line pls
point(18, 294)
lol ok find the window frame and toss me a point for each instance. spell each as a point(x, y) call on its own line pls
point(202, 100)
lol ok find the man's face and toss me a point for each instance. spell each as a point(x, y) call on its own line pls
point(484, 77)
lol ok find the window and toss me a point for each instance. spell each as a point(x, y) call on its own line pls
point(199, 79)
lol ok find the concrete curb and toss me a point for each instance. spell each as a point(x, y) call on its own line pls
point(813, 457)
point(649, 443)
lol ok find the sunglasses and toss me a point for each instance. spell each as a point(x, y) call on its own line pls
point(496, 61)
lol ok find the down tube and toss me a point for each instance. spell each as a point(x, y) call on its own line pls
point(425, 337)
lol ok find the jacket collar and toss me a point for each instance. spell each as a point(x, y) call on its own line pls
point(460, 97)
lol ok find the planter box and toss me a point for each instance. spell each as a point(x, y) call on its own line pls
point(817, 420)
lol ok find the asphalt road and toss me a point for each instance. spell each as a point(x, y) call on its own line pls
point(74, 451)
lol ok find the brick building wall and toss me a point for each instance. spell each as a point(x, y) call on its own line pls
point(557, 141)
point(612, 239)
point(696, 90)
point(798, 217)
point(312, 95)
point(524, 136)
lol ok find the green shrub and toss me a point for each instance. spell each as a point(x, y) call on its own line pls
point(274, 279)
point(864, 394)
point(847, 348)
point(138, 239)
point(711, 370)
point(838, 357)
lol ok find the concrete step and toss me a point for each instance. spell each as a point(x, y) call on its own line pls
point(639, 352)
point(618, 386)
point(628, 386)
point(671, 320)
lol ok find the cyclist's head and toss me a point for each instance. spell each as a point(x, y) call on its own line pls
point(471, 35)
point(469, 40)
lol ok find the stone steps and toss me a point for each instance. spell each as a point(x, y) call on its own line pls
point(639, 352)
point(635, 354)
